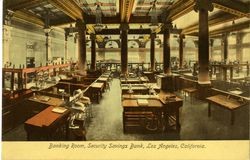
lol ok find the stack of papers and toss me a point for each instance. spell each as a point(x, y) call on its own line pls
point(142, 102)
point(59, 110)
point(44, 98)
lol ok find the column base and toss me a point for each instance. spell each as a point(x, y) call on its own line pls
point(204, 90)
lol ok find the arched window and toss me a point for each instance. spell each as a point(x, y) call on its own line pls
point(148, 44)
point(133, 44)
point(111, 44)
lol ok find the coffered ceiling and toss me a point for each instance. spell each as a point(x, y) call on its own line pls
point(135, 12)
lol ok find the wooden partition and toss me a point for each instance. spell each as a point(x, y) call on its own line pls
point(22, 74)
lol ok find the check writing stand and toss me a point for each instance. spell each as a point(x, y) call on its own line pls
point(77, 118)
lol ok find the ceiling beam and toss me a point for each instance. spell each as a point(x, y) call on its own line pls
point(69, 7)
point(62, 21)
point(233, 7)
point(236, 27)
point(179, 9)
point(126, 7)
point(142, 19)
point(143, 31)
point(29, 17)
point(105, 20)
point(213, 20)
point(22, 4)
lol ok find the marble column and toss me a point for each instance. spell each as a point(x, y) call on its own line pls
point(46, 48)
point(225, 46)
point(152, 51)
point(66, 47)
point(166, 49)
point(181, 50)
point(211, 49)
point(82, 64)
point(93, 52)
point(124, 47)
point(76, 46)
point(204, 83)
point(203, 7)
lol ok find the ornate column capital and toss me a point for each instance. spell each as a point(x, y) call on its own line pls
point(66, 34)
point(167, 26)
point(92, 36)
point(196, 43)
point(80, 24)
point(224, 37)
point(8, 16)
point(153, 35)
point(211, 42)
point(203, 5)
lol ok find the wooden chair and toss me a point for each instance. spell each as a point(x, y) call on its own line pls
point(191, 91)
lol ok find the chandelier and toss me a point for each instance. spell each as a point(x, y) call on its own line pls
point(154, 19)
point(98, 26)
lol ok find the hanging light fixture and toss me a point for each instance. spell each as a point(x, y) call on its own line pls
point(98, 26)
point(47, 27)
point(154, 19)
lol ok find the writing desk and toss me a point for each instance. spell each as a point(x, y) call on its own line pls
point(103, 80)
point(130, 81)
point(137, 116)
point(96, 89)
point(157, 109)
point(226, 103)
point(137, 88)
point(51, 101)
point(45, 124)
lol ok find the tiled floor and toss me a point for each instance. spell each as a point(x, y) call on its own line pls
point(195, 124)
point(106, 124)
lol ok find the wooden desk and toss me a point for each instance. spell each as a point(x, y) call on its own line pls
point(226, 103)
point(171, 108)
point(96, 89)
point(44, 124)
point(141, 117)
point(70, 87)
point(137, 89)
point(130, 81)
point(158, 109)
point(42, 99)
point(103, 80)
